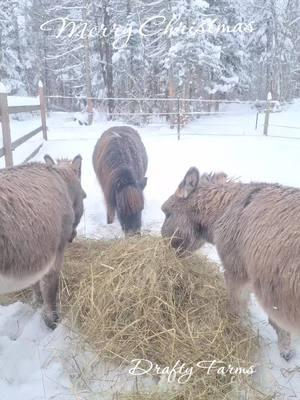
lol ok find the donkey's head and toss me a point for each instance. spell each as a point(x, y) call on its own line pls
point(186, 211)
point(129, 201)
point(70, 170)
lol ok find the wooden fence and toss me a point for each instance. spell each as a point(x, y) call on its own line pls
point(177, 111)
point(5, 111)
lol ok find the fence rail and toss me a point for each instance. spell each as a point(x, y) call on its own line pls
point(176, 110)
point(285, 126)
point(237, 101)
point(26, 137)
point(5, 111)
point(22, 109)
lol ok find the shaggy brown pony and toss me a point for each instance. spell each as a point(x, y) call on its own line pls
point(120, 163)
point(40, 208)
point(256, 230)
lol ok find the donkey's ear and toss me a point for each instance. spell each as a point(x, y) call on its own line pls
point(49, 160)
point(143, 183)
point(189, 183)
point(76, 164)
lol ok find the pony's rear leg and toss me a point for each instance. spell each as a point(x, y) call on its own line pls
point(238, 293)
point(110, 214)
point(284, 341)
point(49, 289)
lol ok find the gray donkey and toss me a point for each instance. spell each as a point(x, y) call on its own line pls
point(40, 208)
point(256, 230)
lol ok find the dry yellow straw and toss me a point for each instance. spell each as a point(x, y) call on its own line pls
point(135, 299)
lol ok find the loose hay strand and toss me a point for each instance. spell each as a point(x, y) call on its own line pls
point(133, 299)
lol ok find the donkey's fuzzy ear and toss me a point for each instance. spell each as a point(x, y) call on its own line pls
point(49, 160)
point(220, 178)
point(189, 183)
point(76, 164)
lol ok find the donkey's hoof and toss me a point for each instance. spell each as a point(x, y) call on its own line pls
point(287, 354)
point(51, 322)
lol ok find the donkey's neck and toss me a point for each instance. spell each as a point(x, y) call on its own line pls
point(212, 204)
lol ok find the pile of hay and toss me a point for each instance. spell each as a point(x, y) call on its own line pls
point(135, 299)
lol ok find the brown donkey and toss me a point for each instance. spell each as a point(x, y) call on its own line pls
point(40, 208)
point(120, 162)
point(256, 230)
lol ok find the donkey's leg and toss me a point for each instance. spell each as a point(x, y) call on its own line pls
point(37, 298)
point(49, 288)
point(238, 292)
point(110, 214)
point(284, 341)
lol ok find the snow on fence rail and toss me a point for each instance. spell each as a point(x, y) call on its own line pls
point(6, 109)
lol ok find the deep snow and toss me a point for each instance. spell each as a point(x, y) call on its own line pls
point(38, 364)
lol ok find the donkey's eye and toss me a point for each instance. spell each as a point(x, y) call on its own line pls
point(167, 214)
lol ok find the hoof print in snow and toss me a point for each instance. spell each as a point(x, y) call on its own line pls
point(288, 355)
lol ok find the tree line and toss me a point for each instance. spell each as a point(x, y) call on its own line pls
point(187, 48)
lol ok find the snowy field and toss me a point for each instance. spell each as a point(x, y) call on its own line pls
point(38, 364)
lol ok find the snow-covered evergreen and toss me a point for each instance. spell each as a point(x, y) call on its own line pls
point(183, 49)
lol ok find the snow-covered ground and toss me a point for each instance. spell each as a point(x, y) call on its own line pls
point(33, 360)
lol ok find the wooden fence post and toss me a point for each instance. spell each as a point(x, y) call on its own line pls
point(267, 114)
point(43, 110)
point(256, 121)
point(90, 108)
point(178, 118)
point(5, 127)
